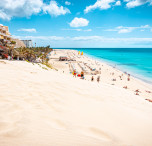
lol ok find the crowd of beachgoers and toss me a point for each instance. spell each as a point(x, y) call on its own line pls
point(84, 67)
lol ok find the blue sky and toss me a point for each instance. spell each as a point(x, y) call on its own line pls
point(80, 23)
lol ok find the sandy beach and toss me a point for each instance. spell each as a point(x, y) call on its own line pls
point(40, 107)
point(108, 74)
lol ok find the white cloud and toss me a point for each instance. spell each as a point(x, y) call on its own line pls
point(101, 4)
point(78, 13)
point(54, 10)
point(19, 8)
point(136, 3)
point(126, 30)
point(118, 3)
point(79, 22)
point(111, 29)
point(26, 8)
point(87, 38)
point(86, 30)
point(73, 29)
point(112, 40)
point(67, 3)
point(145, 26)
point(47, 38)
point(122, 29)
point(4, 16)
point(106, 4)
point(27, 30)
point(132, 4)
point(87, 41)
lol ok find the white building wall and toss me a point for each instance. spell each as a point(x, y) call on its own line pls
point(28, 43)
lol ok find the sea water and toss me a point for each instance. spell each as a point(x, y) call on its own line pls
point(136, 61)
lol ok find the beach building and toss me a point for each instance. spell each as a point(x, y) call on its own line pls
point(63, 58)
point(28, 43)
point(19, 43)
point(5, 40)
point(5, 36)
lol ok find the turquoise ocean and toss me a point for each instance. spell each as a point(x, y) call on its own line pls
point(136, 61)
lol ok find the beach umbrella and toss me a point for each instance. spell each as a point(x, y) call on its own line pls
point(82, 53)
point(79, 53)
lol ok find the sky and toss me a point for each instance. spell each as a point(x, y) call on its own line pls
point(80, 23)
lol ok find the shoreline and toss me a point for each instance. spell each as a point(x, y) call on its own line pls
point(112, 64)
point(106, 71)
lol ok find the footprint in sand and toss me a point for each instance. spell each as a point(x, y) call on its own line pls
point(33, 72)
point(96, 133)
point(99, 134)
point(4, 125)
point(51, 105)
point(58, 124)
point(3, 62)
point(11, 129)
point(13, 132)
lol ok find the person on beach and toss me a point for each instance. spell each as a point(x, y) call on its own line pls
point(137, 90)
point(125, 87)
point(75, 73)
point(92, 79)
point(128, 79)
point(149, 100)
point(98, 79)
point(148, 91)
point(82, 75)
point(120, 77)
point(113, 79)
point(136, 93)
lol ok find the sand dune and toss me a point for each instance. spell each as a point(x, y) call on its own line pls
point(45, 107)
